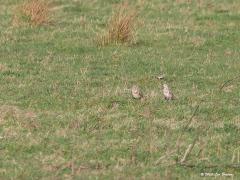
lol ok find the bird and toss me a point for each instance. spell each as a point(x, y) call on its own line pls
point(168, 95)
point(136, 92)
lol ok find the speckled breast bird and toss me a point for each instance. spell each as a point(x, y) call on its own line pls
point(136, 92)
point(168, 95)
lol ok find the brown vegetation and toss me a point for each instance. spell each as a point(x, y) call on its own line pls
point(120, 28)
point(33, 12)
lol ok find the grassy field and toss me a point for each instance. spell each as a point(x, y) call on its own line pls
point(66, 110)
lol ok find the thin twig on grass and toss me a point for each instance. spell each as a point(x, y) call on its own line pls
point(187, 152)
point(185, 128)
point(228, 81)
point(164, 157)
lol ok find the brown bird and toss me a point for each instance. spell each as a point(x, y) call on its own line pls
point(168, 95)
point(136, 92)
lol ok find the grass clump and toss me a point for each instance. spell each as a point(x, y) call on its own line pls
point(120, 28)
point(33, 12)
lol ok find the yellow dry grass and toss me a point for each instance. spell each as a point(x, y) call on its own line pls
point(33, 12)
point(120, 28)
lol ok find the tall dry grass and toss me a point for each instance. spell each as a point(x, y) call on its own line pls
point(33, 12)
point(120, 28)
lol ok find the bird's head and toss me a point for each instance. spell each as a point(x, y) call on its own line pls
point(135, 89)
point(165, 86)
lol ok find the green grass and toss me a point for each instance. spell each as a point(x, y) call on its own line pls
point(57, 88)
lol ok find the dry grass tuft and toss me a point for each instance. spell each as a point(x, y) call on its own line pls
point(33, 12)
point(120, 28)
